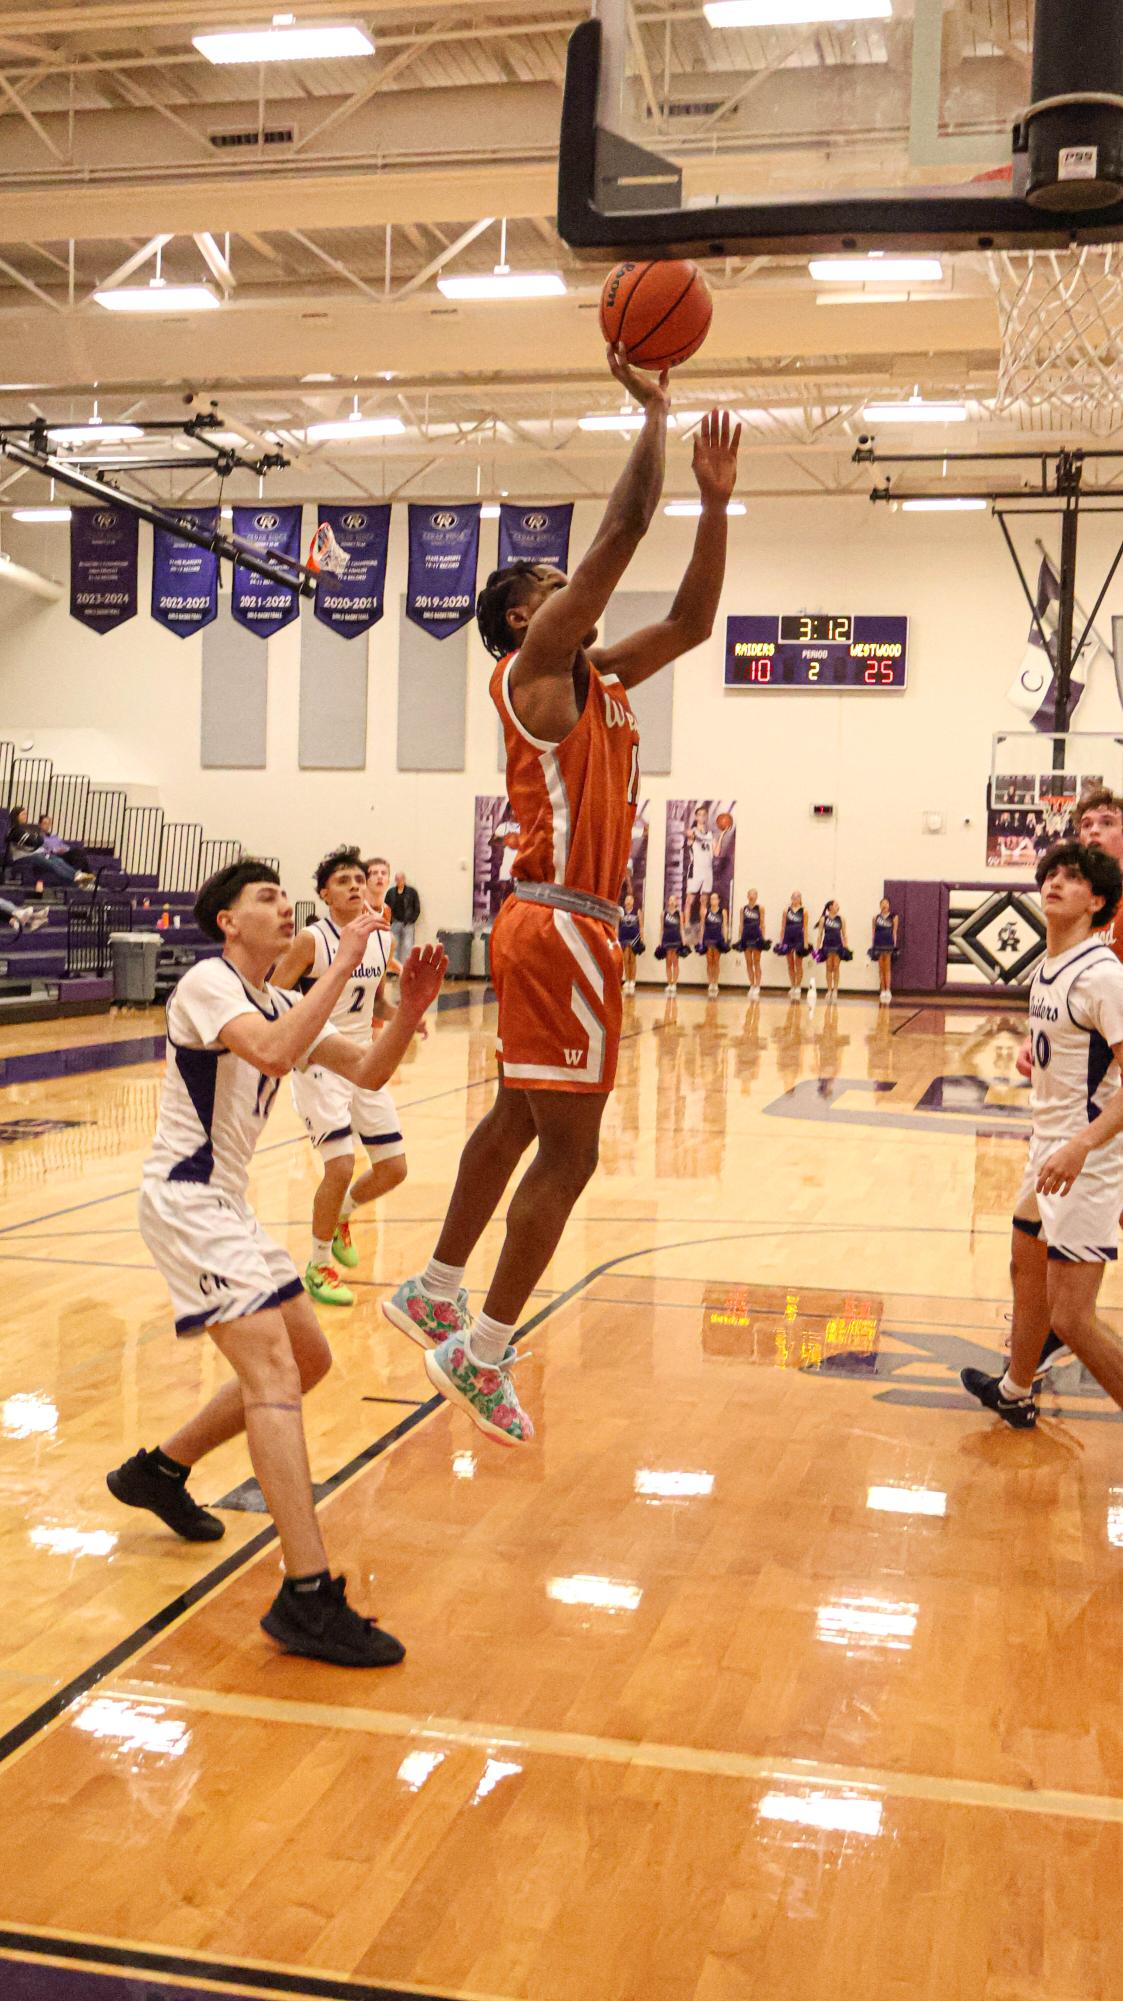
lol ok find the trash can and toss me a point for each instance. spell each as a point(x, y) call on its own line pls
point(134, 966)
point(458, 948)
point(487, 952)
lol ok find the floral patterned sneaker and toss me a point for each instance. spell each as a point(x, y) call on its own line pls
point(426, 1321)
point(484, 1390)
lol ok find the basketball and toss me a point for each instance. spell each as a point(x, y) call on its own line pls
point(660, 311)
point(724, 822)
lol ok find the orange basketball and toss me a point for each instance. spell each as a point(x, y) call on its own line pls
point(660, 311)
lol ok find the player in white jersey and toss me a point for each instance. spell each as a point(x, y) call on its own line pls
point(335, 1112)
point(231, 1038)
point(1066, 1217)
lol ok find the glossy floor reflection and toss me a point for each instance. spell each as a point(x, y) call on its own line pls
point(773, 1669)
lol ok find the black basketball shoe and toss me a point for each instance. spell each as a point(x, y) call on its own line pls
point(1019, 1412)
point(1054, 1355)
point(139, 1483)
point(324, 1626)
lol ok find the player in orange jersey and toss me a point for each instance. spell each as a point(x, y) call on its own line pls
point(573, 782)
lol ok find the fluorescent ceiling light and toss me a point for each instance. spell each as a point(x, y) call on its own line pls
point(343, 430)
point(504, 285)
point(684, 509)
point(158, 298)
point(94, 434)
point(630, 420)
point(954, 504)
point(284, 44)
point(793, 13)
point(40, 514)
point(874, 270)
point(490, 512)
point(915, 411)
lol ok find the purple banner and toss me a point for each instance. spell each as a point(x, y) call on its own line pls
point(103, 559)
point(535, 535)
point(699, 857)
point(495, 845)
point(354, 602)
point(443, 548)
point(185, 577)
point(261, 606)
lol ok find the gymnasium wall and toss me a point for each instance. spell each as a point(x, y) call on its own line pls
point(127, 707)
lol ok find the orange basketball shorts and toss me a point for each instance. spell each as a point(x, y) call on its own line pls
point(557, 978)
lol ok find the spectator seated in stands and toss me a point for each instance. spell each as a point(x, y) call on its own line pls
point(26, 851)
point(27, 918)
point(404, 906)
point(53, 844)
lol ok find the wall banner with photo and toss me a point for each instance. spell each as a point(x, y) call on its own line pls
point(494, 847)
point(636, 879)
point(700, 855)
point(1027, 811)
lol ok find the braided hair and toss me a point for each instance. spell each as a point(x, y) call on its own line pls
point(502, 589)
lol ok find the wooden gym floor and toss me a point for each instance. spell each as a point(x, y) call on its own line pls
point(773, 1669)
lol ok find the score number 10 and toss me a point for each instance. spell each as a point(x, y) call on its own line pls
point(875, 673)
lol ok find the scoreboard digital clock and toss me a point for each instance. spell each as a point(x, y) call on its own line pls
point(833, 650)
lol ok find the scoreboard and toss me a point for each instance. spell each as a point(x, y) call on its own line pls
point(805, 650)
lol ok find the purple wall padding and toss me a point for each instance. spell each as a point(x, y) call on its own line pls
point(922, 908)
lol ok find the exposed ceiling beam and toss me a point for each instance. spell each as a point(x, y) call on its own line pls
point(214, 259)
point(133, 263)
point(30, 119)
point(443, 257)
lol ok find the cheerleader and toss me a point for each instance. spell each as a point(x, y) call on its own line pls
point(630, 942)
point(670, 944)
point(885, 947)
point(752, 942)
point(793, 944)
point(831, 946)
point(715, 941)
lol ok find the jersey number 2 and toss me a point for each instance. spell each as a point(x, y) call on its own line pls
point(356, 1004)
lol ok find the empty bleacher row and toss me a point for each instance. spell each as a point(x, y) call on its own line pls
point(146, 868)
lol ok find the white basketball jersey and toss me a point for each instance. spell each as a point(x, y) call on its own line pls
point(1075, 1020)
point(353, 1013)
point(214, 1104)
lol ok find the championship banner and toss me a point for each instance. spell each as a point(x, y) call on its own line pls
point(1034, 687)
point(103, 564)
point(494, 845)
point(535, 535)
point(636, 879)
point(701, 849)
point(184, 577)
point(443, 550)
point(257, 603)
point(354, 602)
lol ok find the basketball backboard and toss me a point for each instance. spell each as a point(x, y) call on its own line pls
point(721, 131)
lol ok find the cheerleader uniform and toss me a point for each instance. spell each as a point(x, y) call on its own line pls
point(713, 934)
point(752, 938)
point(883, 939)
point(792, 940)
point(627, 937)
point(671, 940)
point(832, 941)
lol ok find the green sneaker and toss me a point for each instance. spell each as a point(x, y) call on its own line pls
point(342, 1249)
point(326, 1287)
point(426, 1321)
point(482, 1389)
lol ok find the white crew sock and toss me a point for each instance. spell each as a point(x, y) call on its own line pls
point(489, 1339)
point(1012, 1391)
point(321, 1251)
point(348, 1208)
point(440, 1281)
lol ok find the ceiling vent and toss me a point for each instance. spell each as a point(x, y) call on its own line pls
point(273, 135)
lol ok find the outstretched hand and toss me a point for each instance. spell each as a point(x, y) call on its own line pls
point(650, 391)
point(715, 456)
point(421, 979)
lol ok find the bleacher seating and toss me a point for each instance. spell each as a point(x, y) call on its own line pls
point(147, 872)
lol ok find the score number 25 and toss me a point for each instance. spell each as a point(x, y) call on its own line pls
point(878, 674)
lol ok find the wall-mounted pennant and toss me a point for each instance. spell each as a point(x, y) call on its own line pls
point(535, 535)
point(103, 566)
point(443, 549)
point(257, 603)
point(184, 577)
point(354, 602)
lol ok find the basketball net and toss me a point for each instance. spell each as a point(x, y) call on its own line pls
point(1061, 316)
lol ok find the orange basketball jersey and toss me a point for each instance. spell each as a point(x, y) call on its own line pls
point(574, 800)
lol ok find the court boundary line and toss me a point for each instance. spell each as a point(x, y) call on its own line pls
point(642, 1754)
point(69, 1949)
